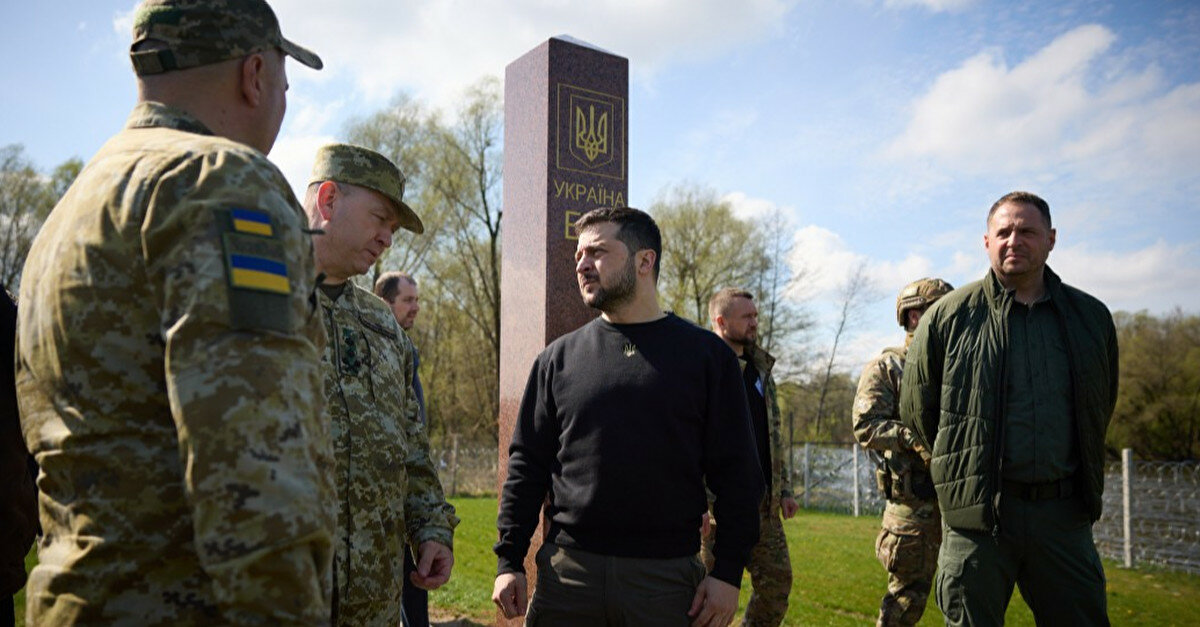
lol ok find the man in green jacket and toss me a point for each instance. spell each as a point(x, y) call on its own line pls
point(1010, 382)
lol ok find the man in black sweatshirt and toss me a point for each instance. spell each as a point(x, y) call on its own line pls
point(621, 424)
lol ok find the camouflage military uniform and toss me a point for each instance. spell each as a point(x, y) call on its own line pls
point(387, 485)
point(908, 543)
point(770, 565)
point(170, 388)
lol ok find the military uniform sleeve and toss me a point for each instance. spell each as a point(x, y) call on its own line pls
point(781, 449)
point(427, 514)
point(530, 459)
point(876, 407)
point(233, 275)
point(921, 385)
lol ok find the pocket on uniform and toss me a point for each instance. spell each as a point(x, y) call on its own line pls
point(900, 551)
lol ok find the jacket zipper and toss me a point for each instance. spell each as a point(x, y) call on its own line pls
point(1002, 381)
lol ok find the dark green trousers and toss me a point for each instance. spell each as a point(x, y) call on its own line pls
point(1045, 548)
point(580, 589)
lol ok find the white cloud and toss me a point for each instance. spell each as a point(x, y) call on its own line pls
point(750, 208)
point(437, 48)
point(1157, 277)
point(306, 128)
point(1074, 107)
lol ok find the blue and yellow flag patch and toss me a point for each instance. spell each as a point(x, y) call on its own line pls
point(250, 221)
point(254, 256)
point(258, 273)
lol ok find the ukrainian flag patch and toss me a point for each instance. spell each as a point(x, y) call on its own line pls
point(258, 273)
point(251, 221)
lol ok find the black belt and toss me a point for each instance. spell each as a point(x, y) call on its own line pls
point(1048, 491)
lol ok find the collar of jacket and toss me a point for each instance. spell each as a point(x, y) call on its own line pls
point(152, 114)
point(762, 360)
point(1000, 298)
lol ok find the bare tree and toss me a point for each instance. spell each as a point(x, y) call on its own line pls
point(856, 291)
point(405, 133)
point(26, 198)
point(705, 248)
point(779, 286)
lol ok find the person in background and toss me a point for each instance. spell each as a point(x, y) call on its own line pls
point(389, 495)
point(911, 532)
point(399, 291)
point(734, 319)
point(18, 493)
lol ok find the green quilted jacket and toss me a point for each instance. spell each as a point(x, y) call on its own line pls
point(952, 393)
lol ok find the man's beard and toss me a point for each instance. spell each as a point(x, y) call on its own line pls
point(620, 292)
point(745, 340)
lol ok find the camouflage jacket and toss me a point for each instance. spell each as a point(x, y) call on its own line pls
point(169, 381)
point(387, 485)
point(781, 482)
point(877, 427)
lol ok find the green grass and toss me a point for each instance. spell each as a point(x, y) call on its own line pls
point(837, 579)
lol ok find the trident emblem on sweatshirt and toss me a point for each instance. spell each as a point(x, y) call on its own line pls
point(630, 349)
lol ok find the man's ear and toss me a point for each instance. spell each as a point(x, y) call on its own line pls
point(252, 88)
point(327, 193)
point(645, 261)
point(718, 324)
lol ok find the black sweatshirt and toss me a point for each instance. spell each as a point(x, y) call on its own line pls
point(622, 424)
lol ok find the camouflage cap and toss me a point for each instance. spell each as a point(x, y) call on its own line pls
point(201, 32)
point(920, 294)
point(355, 165)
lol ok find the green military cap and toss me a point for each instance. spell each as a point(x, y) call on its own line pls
point(364, 167)
point(201, 32)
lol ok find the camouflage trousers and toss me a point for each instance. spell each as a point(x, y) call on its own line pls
point(907, 547)
point(770, 570)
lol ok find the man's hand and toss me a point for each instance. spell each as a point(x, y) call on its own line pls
point(714, 603)
point(705, 525)
point(434, 561)
point(509, 594)
point(789, 506)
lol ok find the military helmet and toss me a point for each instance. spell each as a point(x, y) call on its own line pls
point(920, 294)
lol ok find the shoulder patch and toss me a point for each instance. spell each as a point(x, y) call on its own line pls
point(251, 221)
point(256, 270)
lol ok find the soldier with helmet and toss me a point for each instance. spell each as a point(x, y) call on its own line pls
point(908, 542)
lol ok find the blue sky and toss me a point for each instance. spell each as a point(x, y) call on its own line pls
point(882, 128)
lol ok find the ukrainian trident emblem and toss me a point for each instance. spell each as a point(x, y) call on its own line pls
point(591, 133)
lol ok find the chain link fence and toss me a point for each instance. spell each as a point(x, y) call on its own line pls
point(466, 470)
point(1151, 513)
point(1151, 509)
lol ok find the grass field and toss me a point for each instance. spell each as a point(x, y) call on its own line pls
point(837, 579)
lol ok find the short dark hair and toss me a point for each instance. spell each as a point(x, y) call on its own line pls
point(719, 303)
point(1024, 198)
point(636, 229)
point(388, 284)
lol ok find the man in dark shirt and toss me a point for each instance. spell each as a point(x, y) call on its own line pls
point(734, 319)
point(621, 424)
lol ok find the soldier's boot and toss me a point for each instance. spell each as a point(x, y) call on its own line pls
point(904, 603)
point(910, 557)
